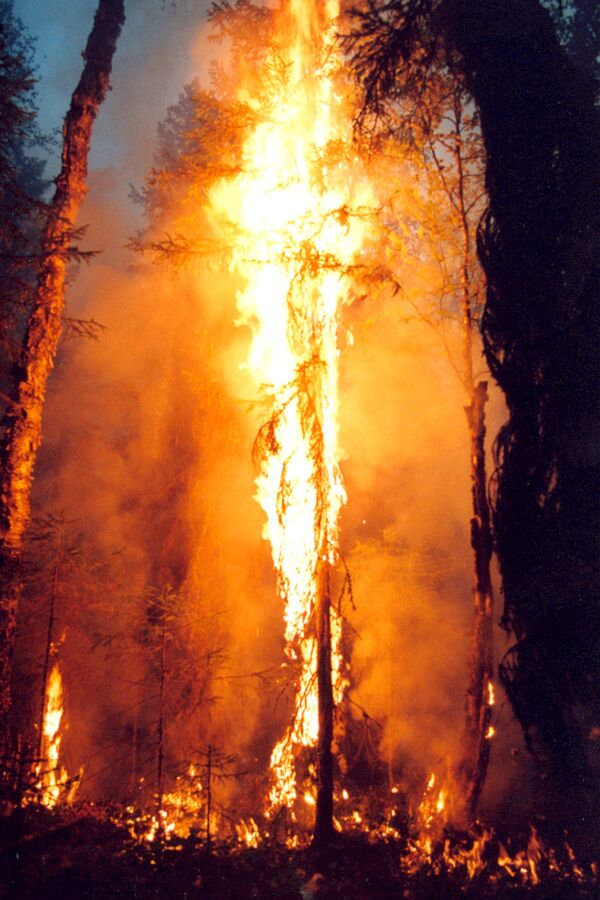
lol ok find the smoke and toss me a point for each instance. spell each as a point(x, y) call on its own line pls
point(147, 447)
point(406, 532)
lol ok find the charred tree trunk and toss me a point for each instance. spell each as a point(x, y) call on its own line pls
point(160, 787)
point(209, 773)
point(478, 703)
point(23, 418)
point(539, 248)
point(478, 706)
point(324, 814)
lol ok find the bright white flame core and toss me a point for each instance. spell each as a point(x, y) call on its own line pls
point(294, 216)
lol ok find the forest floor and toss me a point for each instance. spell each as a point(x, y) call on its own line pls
point(88, 856)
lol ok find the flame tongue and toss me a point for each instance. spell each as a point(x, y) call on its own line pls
point(53, 717)
point(51, 780)
point(294, 239)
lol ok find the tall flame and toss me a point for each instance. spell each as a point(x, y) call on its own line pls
point(296, 216)
point(51, 780)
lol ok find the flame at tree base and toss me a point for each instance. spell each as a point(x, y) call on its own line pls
point(53, 785)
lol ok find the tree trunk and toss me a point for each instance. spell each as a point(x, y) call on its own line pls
point(209, 767)
point(324, 818)
point(22, 424)
point(479, 698)
point(160, 788)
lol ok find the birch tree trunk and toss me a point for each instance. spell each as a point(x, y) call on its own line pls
point(22, 423)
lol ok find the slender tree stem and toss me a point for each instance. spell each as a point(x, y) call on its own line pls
point(324, 818)
point(478, 705)
point(22, 422)
point(161, 714)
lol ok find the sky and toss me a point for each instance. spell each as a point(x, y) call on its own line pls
point(162, 46)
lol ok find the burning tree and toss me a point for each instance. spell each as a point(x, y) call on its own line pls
point(21, 423)
point(295, 219)
point(285, 134)
point(209, 133)
point(52, 782)
point(452, 145)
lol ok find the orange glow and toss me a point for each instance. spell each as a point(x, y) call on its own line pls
point(441, 801)
point(53, 782)
point(432, 809)
point(294, 214)
point(248, 833)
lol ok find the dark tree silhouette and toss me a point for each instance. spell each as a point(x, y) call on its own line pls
point(538, 245)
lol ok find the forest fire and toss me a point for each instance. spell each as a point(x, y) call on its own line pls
point(430, 849)
point(259, 502)
point(294, 214)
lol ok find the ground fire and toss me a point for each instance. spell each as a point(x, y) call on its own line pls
point(270, 545)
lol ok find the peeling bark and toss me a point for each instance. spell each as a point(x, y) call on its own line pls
point(22, 423)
